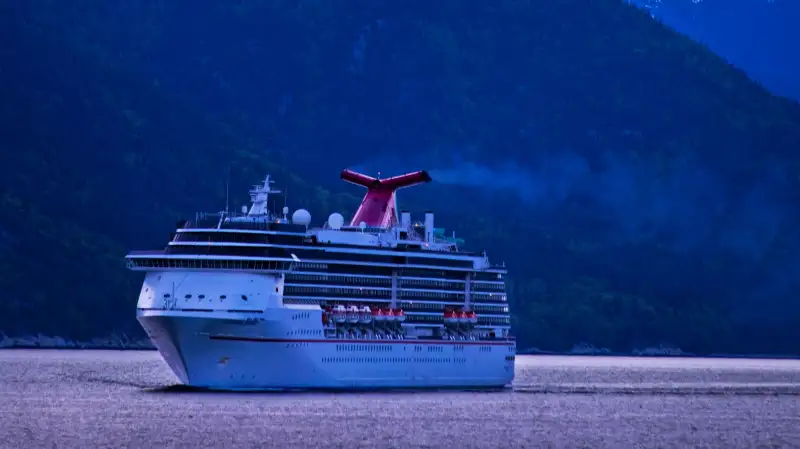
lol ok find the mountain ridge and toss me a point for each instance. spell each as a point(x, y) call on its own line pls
point(656, 181)
point(756, 35)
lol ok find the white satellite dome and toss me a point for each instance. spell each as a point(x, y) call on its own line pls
point(335, 221)
point(301, 217)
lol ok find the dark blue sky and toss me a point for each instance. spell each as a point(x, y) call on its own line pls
point(758, 36)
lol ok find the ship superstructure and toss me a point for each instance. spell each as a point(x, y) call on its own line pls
point(256, 300)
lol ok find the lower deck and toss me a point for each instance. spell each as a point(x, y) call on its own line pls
point(229, 354)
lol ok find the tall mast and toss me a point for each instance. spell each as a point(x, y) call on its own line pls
point(227, 189)
point(259, 196)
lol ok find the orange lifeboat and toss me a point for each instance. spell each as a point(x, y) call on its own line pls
point(353, 314)
point(365, 315)
point(377, 315)
point(463, 318)
point(450, 316)
point(339, 314)
point(388, 315)
point(399, 315)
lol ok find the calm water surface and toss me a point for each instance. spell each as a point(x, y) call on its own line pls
point(88, 399)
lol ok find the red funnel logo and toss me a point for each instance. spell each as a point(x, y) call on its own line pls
point(377, 209)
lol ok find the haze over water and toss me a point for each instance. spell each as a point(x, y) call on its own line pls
point(86, 399)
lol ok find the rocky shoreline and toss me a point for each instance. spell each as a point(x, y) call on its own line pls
point(123, 343)
point(118, 342)
point(585, 349)
point(589, 349)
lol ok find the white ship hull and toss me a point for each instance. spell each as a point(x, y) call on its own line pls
point(221, 353)
point(231, 330)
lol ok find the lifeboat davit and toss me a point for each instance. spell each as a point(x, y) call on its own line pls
point(450, 316)
point(339, 314)
point(365, 315)
point(353, 314)
point(399, 315)
point(326, 315)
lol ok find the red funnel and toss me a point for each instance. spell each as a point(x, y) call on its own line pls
point(377, 209)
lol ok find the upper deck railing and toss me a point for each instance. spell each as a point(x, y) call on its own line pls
point(222, 220)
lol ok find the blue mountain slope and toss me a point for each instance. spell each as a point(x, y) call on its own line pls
point(642, 190)
point(759, 36)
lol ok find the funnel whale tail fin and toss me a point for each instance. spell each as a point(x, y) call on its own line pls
point(377, 209)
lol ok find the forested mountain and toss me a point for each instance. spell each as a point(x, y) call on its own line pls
point(758, 36)
point(640, 188)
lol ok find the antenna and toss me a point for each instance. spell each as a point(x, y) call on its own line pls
point(227, 188)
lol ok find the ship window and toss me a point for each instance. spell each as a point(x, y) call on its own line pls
point(188, 296)
point(201, 296)
point(166, 295)
point(244, 297)
point(222, 296)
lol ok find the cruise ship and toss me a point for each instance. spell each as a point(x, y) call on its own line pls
point(260, 300)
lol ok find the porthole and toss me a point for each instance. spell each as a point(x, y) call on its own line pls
point(244, 297)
